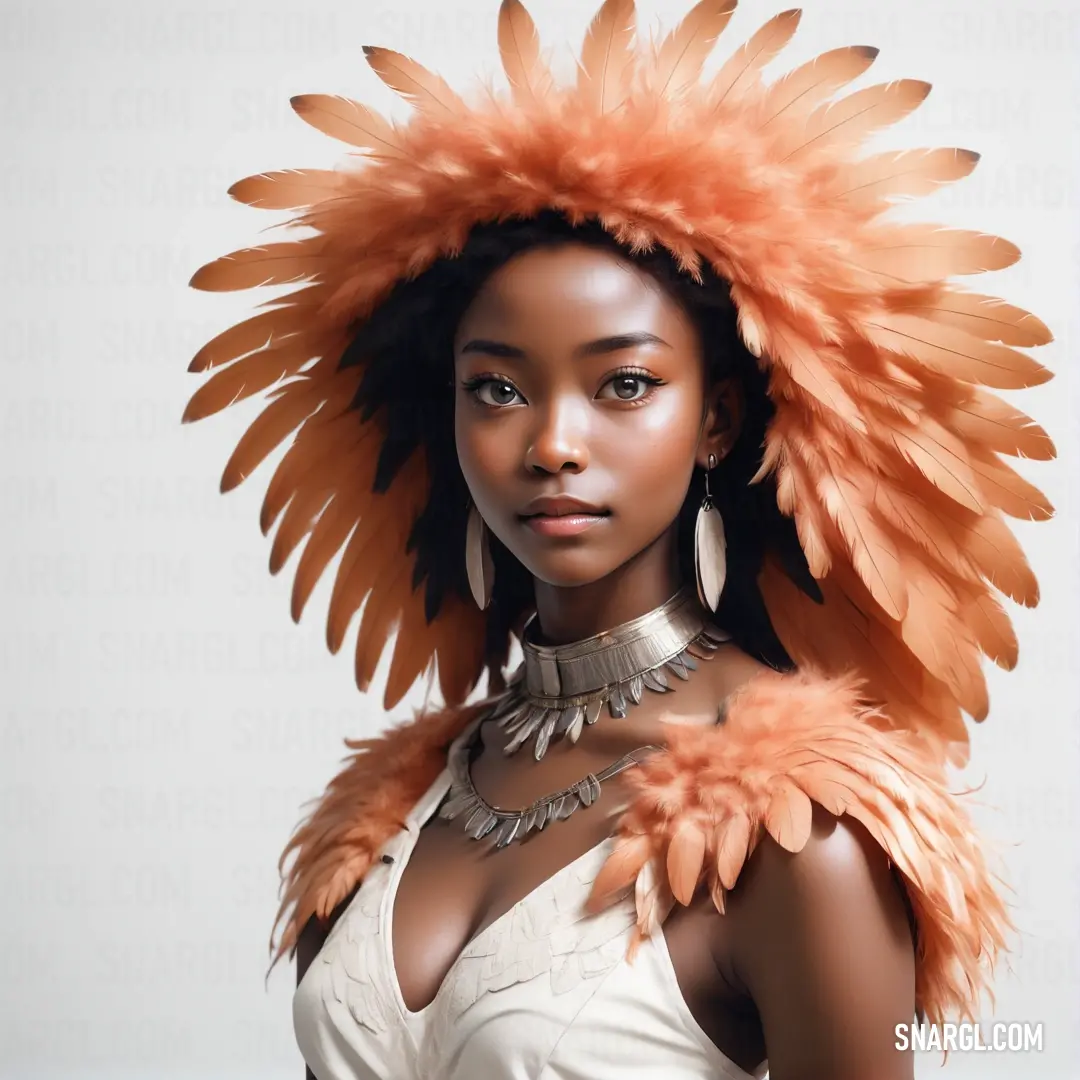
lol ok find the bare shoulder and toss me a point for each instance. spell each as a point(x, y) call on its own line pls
point(730, 669)
point(840, 866)
point(820, 940)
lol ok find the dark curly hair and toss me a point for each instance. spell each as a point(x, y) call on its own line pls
point(406, 347)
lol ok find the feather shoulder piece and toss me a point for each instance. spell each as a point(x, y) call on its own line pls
point(361, 808)
point(699, 810)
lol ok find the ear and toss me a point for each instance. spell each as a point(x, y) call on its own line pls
point(724, 411)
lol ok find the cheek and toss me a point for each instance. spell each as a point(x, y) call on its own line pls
point(482, 449)
point(656, 451)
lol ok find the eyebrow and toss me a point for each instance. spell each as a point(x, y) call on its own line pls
point(610, 344)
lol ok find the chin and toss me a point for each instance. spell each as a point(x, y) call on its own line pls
point(568, 569)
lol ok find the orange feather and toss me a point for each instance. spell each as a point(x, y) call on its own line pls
point(325, 540)
point(925, 253)
point(653, 899)
point(852, 119)
point(947, 729)
point(802, 89)
point(370, 555)
point(248, 376)
point(732, 847)
point(620, 869)
point(607, 63)
point(828, 791)
point(996, 425)
point(867, 642)
point(788, 817)
point(985, 317)
point(792, 483)
point(414, 647)
point(258, 332)
point(936, 634)
point(268, 264)
point(348, 121)
point(322, 497)
point(421, 88)
point(869, 378)
point(300, 464)
point(287, 188)
point(300, 515)
point(685, 857)
point(745, 64)
point(519, 49)
point(294, 404)
point(916, 518)
point(990, 625)
point(1006, 489)
point(954, 352)
point(459, 651)
point(872, 552)
point(365, 556)
point(907, 173)
point(810, 369)
point(941, 459)
point(678, 62)
point(991, 546)
point(378, 621)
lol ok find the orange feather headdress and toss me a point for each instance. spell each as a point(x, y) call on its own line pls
point(885, 445)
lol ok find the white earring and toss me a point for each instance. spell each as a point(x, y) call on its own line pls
point(710, 548)
point(478, 562)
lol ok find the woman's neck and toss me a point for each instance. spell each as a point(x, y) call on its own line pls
point(643, 583)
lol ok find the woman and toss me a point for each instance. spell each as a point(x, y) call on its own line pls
point(633, 374)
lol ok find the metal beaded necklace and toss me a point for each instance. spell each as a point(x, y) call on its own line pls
point(561, 688)
point(481, 817)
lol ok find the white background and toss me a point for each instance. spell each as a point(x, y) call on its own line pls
point(161, 719)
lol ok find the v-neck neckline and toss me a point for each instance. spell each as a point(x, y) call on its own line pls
point(415, 822)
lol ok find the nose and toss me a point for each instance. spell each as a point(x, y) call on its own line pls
point(559, 442)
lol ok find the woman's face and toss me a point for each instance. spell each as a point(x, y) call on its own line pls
point(580, 409)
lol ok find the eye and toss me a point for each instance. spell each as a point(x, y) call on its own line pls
point(630, 386)
point(495, 393)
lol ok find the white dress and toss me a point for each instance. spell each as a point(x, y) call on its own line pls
point(544, 993)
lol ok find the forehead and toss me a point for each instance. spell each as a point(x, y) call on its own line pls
point(572, 285)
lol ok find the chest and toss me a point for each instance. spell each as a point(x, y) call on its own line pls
point(454, 899)
point(543, 958)
point(538, 955)
point(591, 1015)
point(450, 892)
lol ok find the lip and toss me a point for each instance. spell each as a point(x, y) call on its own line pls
point(561, 515)
point(562, 524)
point(561, 506)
